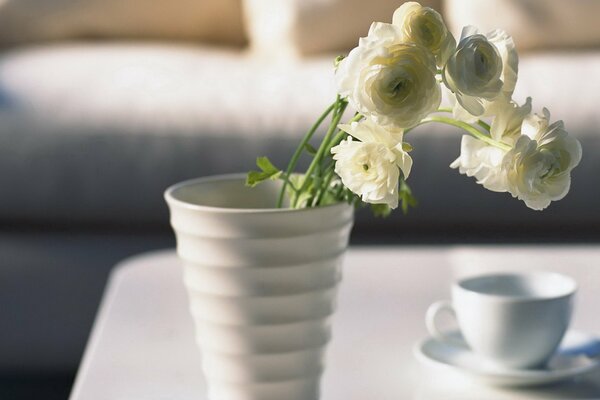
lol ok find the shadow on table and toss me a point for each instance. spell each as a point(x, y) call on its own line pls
point(441, 386)
point(583, 389)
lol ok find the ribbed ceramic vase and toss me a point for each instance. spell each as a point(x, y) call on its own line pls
point(261, 283)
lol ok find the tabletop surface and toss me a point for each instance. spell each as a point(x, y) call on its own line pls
point(142, 345)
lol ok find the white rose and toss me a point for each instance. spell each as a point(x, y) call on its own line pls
point(484, 161)
point(482, 70)
point(425, 26)
point(392, 82)
point(371, 167)
point(538, 169)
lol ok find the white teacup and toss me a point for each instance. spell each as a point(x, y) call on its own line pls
point(510, 320)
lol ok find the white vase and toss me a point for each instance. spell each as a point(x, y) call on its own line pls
point(261, 283)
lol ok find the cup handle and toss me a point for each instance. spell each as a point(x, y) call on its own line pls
point(431, 316)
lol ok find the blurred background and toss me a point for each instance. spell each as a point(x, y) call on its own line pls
point(105, 103)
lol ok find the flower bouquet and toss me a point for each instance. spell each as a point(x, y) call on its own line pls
point(262, 281)
point(394, 80)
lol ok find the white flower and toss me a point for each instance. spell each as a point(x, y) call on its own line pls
point(509, 116)
point(425, 26)
point(367, 131)
point(482, 70)
point(538, 168)
point(371, 167)
point(388, 80)
point(484, 161)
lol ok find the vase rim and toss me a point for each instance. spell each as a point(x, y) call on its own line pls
point(171, 199)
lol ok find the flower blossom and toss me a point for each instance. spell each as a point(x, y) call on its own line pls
point(484, 161)
point(482, 70)
point(538, 168)
point(371, 165)
point(425, 26)
point(388, 80)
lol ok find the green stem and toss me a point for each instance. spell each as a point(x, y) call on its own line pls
point(286, 178)
point(325, 187)
point(480, 122)
point(484, 125)
point(330, 167)
point(337, 115)
point(338, 192)
point(467, 127)
point(298, 152)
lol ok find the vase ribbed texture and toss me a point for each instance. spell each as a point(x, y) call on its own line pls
point(261, 283)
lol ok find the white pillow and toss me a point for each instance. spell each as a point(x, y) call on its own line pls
point(534, 24)
point(287, 28)
point(23, 21)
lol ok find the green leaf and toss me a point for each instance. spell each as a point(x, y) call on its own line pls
point(254, 178)
point(407, 199)
point(276, 175)
point(328, 198)
point(381, 210)
point(338, 60)
point(267, 171)
point(310, 149)
point(266, 166)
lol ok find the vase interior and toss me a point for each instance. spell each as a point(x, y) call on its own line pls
point(228, 192)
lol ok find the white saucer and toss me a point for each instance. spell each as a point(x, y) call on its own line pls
point(578, 354)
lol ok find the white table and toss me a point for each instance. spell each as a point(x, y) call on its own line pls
point(142, 345)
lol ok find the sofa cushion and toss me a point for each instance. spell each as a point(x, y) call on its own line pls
point(93, 134)
point(534, 24)
point(290, 28)
point(26, 21)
